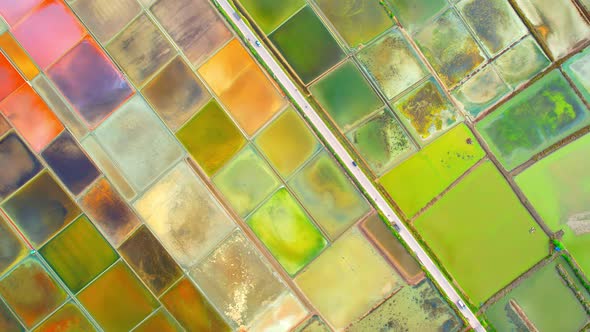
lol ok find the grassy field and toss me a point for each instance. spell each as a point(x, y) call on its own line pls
point(546, 301)
point(307, 45)
point(539, 116)
point(480, 232)
point(269, 14)
point(559, 189)
point(357, 21)
point(437, 166)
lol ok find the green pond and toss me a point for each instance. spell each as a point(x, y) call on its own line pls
point(329, 195)
point(346, 95)
point(546, 301)
point(287, 231)
point(307, 45)
point(246, 181)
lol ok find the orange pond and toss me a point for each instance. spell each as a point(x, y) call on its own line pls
point(241, 85)
point(33, 119)
point(10, 79)
point(18, 56)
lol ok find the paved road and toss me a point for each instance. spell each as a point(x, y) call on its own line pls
point(357, 173)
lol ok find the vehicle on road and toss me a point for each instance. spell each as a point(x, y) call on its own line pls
point(257, 43)
point(396, 227)
point(354, 163)
point(461, 305)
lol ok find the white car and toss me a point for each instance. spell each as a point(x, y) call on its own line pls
point(461, 305)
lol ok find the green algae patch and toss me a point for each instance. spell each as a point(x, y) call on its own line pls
point(450, 48)
point(357, 21)
point(287, 231)
point(427, 110)
point(381, 141)
point(269, 14)
point(558, 187)
point(392, 63)
point(211, 137)
point(481, 233)
point(329, 196)
point(538, 300)
point(287, 142)
point(246, 181)
point(426, 174)
point(346, 96)
point(544, 113)
point(307, 45)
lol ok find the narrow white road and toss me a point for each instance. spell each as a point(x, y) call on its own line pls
point(343, 154)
